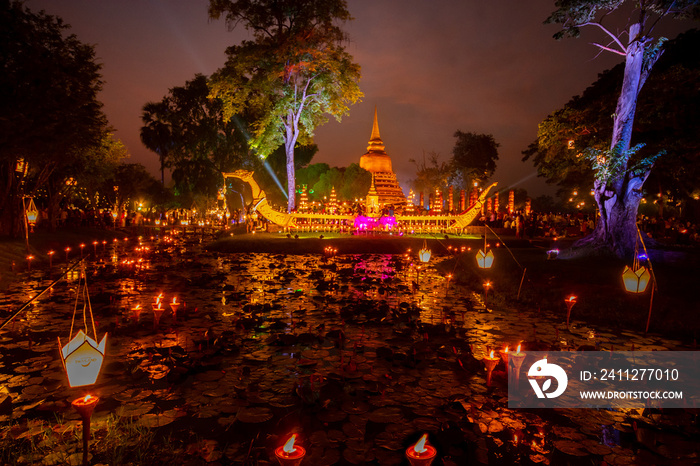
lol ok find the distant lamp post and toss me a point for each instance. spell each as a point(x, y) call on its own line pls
point(32, 214)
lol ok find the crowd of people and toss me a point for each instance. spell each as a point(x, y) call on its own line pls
point(534, 225)
point(551, 225)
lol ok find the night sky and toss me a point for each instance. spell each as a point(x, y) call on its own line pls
point(431, 67)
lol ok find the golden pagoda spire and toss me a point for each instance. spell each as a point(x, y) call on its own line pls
point(375, 141)
point(372, 200)
point(372, 188)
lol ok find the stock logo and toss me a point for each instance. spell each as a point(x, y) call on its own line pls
point(541, 369)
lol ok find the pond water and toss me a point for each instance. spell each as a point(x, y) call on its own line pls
point(358, 354)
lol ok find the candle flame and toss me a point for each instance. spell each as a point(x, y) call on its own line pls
point(506, 349)
point(289, 446)
point(572, 298)
point(174, 299)
point(138, 306)
point(419, 447)
point(515, 438)
point(87, 398)
point(491, 354)
point(518, 349)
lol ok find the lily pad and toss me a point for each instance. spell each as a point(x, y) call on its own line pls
point(254, 415)
point(386, 415)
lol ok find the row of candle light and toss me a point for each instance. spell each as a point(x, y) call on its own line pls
point(140, 249)
point(419, 454)
point(491, 361)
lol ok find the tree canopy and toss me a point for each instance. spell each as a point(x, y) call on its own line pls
point(669, 113)
point(620, 170)
point(431, 173)
point(188, 131)
point(474, 157)
point(292, 74)
point(50, 116)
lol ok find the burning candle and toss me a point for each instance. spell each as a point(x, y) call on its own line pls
point(174, 306)
point(67, 251)
point(504, 356)
point(487, 285)
point(570, 301)
point(421, 454)
point(491, 361)
point(518, 357)
point(51, 253)
point(157, 313)
point(86, 402)
point(290, 454)
point(136, 311)
point(85, 406)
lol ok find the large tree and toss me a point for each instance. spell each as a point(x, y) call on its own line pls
point(474, 157)
point(620, 171)
point(431, 173)
point(188, 131)
point(292, 74)
point(156, 131)
point(50, 117)
point(669, 114)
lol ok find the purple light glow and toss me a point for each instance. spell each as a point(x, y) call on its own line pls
point(363, 222)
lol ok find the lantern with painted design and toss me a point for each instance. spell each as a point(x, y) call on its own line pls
point(82, 357)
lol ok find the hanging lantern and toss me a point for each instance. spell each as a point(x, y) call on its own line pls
point(32, 213)
point(424, 253)
point(82, 357)
point(484, 260)
point(636, 280)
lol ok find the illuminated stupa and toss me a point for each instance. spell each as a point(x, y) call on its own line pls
point(377, 162)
